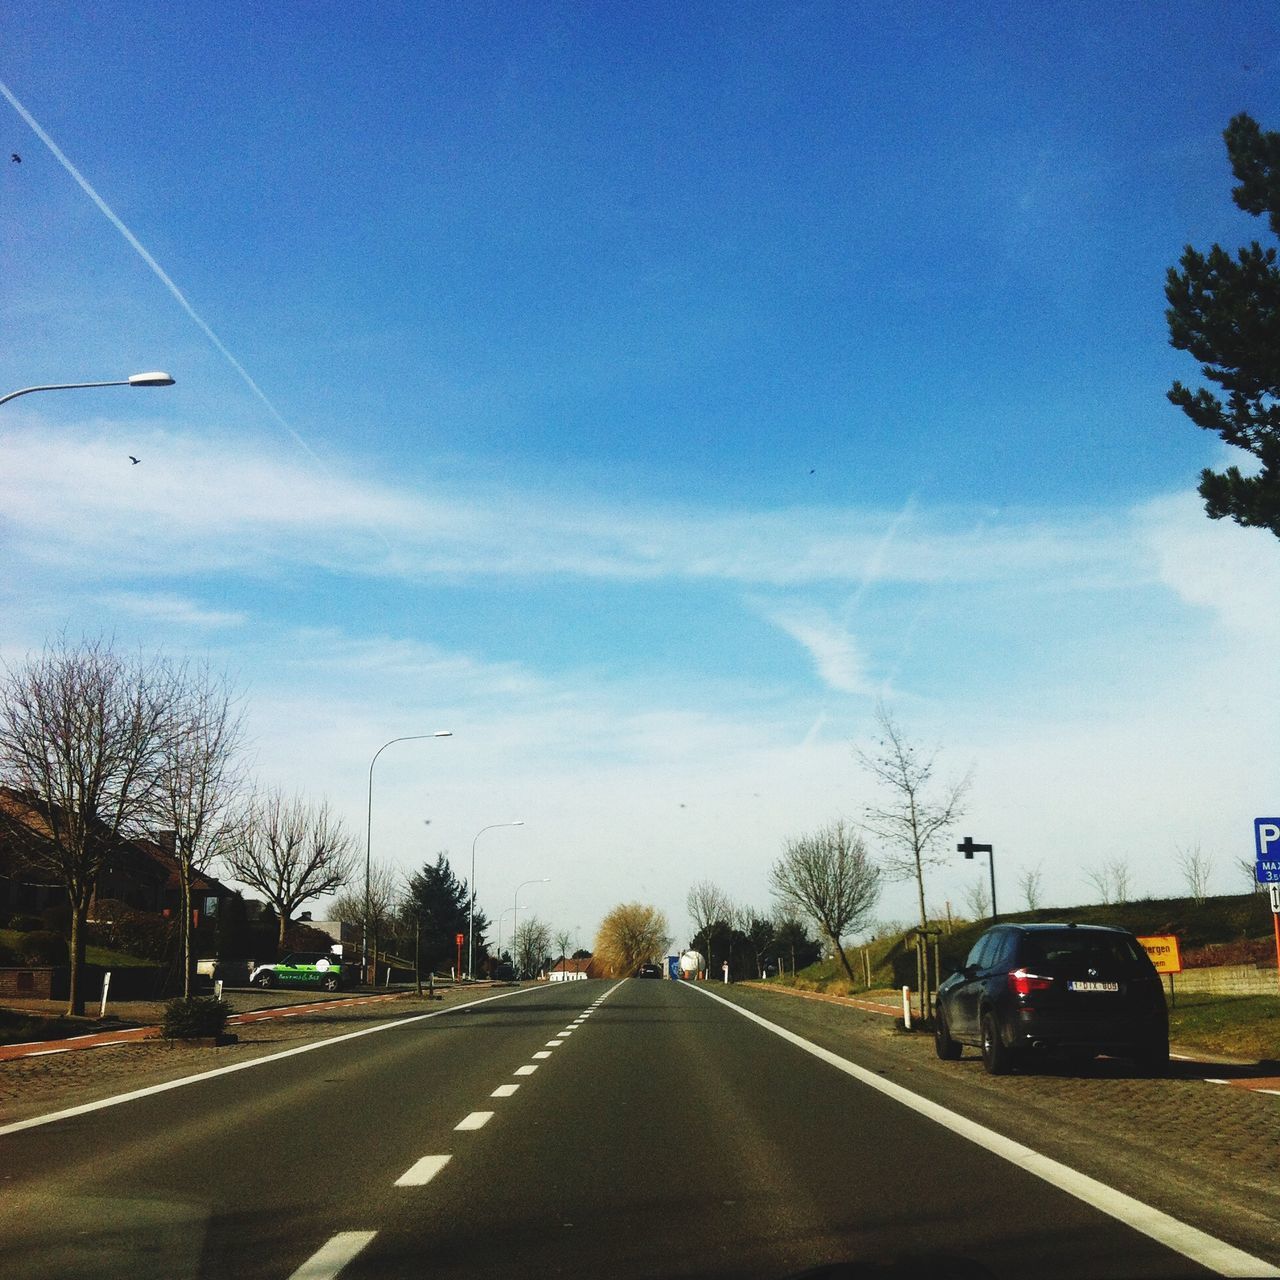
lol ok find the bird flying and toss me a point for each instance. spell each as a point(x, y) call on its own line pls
point(134, 460)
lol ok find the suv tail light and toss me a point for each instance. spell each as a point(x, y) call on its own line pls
point(1022, 983)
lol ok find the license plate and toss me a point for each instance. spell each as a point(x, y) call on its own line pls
point(1093, 986)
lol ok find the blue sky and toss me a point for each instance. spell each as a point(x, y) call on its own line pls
point(648, 391)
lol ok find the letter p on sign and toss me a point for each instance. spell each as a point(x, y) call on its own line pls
point(1266, 836)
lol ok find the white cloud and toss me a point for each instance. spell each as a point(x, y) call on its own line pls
point(834, 650)
point(170, 609)
point(1213, 564)
point(203, 505)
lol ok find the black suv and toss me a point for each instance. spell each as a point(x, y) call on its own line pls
point(1026, 988)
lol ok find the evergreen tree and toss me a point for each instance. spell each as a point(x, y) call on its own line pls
point(1225, 311)
point(441, 901)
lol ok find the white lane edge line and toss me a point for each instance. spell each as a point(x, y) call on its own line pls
point(1181, 1237)
point(422, 1171)
point(84, 1108)
point(504, 1091)
point(476, 1120)
point(333, 1255)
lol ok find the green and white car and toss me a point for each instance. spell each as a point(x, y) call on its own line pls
point(300, 969)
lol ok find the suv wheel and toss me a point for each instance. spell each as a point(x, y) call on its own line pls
point(944, 1046)
point(995, 1057)
point(1154, 1057)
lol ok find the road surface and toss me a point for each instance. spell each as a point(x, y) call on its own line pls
point(590, 1128)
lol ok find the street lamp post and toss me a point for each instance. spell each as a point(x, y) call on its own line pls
point(471, 911)
point(133, 380)
point(502, 915)
point(515, 912)
point(968, 848)
point(368, 838)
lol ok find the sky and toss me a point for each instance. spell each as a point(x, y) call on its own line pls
point(644, 393)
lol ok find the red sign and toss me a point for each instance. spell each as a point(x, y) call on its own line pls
point(459, 938)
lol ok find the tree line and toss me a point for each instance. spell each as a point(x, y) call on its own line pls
point(100, 745)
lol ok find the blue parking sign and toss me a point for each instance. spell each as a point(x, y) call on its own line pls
point(1266, 844)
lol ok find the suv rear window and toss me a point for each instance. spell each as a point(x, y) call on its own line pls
point(1076, 949)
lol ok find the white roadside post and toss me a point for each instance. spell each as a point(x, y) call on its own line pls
point(106, 986)
point(906, 1007)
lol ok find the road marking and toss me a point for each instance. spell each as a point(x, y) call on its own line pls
point(504, 1091)
point(43, 1053)
point(543, 1053)
point(1222, 1258)
point(36, 1121)
point(554, 1044)
point(327, 1261)
point(524, 1071)
point(423, 1171)
point(476, 1120)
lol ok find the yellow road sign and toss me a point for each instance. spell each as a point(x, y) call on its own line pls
point(1164, 952)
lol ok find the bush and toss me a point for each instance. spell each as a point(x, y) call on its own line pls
point(24, 924)
point(41, 947)
point(144, 934)
point(192, 1017)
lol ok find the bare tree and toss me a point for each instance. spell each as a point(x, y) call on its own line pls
point(629, 936)
point(81, 730)
point(290, 852)
point(829, 877)
point(386, 899)
point(1111, 879)
point(562, 940)
point(708, 905)
point(1196, 867)
point(532, 946)
point(919, 812)
point(1249, 869)
point(197, 783)
point(977, 896)
point(1031, 882)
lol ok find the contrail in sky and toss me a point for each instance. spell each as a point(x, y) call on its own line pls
point(160, 272)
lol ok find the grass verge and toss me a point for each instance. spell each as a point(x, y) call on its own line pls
point(1240, 1026)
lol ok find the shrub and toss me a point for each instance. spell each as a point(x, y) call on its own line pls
point(192, 1017)
point(41, 947)
point(24, 924)
point(144, 934)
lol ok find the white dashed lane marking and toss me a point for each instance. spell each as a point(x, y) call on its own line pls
point(524, 1071)
point(331, 1257)
point(476, 1120)
point(543, 1053)
point(504, 1091)
point(422, 1172)
point(554, 1044)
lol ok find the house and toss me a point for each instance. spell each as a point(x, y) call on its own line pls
point(573, 970)
point(140, 872)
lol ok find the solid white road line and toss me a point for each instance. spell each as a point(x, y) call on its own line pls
point(524, 1071)
point(504, 1091)
point(476, 1120)
point(18, 1125)
point(423, 1171)
point(327, 1261)
point(1220, 1257)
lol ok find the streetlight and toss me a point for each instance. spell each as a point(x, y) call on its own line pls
point(502, 915)
point(968, 848)
point(133, 380)
point(471, 912)
point(516, 911)
point(368, 834)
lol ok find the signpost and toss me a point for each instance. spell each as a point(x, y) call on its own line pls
point(1266, 845)
point(459, 939)
point(968, 848)
point(1166, 957)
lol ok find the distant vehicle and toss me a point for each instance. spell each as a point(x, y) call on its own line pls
point(505, 972)
point(1074, 988)
point(649, 970)
point(300, 969)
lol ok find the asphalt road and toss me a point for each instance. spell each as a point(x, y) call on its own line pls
point(622, 1129)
